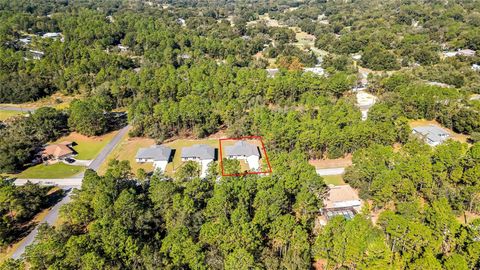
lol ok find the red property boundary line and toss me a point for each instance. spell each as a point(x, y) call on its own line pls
point(240, 139)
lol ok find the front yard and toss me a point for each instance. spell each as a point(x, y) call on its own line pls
point(57, 170)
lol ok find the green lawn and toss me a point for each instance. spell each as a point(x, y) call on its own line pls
point(336, 180)
point(7, 114)
point(58, 170)
point(87, 147)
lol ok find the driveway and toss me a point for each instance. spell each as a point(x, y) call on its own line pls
point(67, 184)
point(95, 164)
point(50, 219)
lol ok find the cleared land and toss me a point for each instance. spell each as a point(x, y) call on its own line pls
point(126, 150)
point(331, 163)
point(5, 114)
point(54, 171)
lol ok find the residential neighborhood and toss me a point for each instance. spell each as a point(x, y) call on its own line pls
point(240, 135)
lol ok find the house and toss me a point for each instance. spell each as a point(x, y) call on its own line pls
point(431, 134)
point(57, 151)
point(243, 150)
point(317, 70)
point(466, 52)
point(122, 48)
point(158, 154)
point(201, 153)
point(341, 201)
point(37, 55)
point(271, 72)
point(53, 35)
point(476, 67)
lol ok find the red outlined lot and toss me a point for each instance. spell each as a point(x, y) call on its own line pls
point(263, 153)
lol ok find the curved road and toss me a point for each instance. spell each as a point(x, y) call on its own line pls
point(67, 184)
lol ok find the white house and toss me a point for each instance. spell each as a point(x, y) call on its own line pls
point(476, 67)
point(317, 70)
point(201, 153)
point(243, 150)
point(158, 154)
point(432, 134)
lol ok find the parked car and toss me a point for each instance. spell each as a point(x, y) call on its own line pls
point(70, 160)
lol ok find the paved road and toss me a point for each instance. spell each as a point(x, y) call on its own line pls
point(68, 183)
point(50, 219)
point(108, 149)
point(331, 171)
point(17, 109)
point(61, 182)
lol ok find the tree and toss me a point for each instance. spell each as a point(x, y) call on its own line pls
point(87, 117)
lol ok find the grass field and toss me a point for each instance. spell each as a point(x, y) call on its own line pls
point(336, 180)
point(57, 170)
point(126, 150)
point(4, 114)
point(88, 147)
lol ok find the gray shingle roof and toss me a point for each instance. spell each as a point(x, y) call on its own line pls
point(201, 151)
point(156, 152)
point(242, 148)
point(432, 133)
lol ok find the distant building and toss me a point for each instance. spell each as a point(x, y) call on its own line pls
point(466, 52)
point(317, 70)
point(431, 134)
point(271, 72)
point(122, 48)
point(36, 55)
point(159, 155)
point(476, 67)
point(243, 150)
point(53, 35)
point(341, 201)
point(201, 153)
point(181, 21)
point(25, 40)
point(57, 151)
point(439, 84)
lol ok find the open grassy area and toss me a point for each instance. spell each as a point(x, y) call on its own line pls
point(126, 150)
point(57, 170)
point(336, 180)
point(4, 114)
point(88, 147)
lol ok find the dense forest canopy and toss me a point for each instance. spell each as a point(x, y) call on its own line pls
point(194, 68)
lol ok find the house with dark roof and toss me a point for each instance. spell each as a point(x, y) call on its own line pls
point(159, 155)
point(431, 134)
point(201, 153)
point(243, 150)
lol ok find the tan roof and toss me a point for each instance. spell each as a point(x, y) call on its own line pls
point(340, 194)
point(57, 150)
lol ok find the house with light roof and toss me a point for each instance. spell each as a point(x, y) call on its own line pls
point(243, 150)
point(159, 155)
point(201, 153)
point(431, 134)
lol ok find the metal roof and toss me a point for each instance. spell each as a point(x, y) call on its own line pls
point(242, 148)
point(432, 133)
point(201, 151)
point(156, 152)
